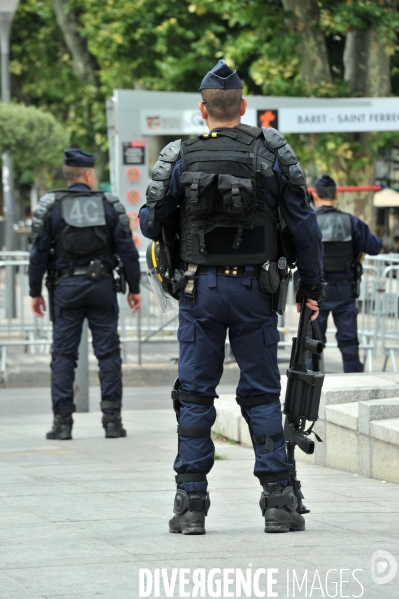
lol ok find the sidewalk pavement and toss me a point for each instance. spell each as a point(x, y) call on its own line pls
point(80, 518)
point(159, 366)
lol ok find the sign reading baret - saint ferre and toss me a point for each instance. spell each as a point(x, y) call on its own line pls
point(346, 118)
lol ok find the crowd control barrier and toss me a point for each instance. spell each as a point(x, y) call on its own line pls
point(378, 320)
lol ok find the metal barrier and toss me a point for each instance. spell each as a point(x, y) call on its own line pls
point(378, 325)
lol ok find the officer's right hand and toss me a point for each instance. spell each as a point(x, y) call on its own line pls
point(134, 301)
point(38, 306)
point(317, 292)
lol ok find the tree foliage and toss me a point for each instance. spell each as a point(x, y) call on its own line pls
point(275, 45)
point(34, 139)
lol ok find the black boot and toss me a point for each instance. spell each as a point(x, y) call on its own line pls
point(278, 505)
point(62, 428)
point(112, 424)
point(190, 510)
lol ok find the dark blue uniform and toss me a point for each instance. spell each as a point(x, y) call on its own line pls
point(76, 298)
point(236, 305)
point(340, 300)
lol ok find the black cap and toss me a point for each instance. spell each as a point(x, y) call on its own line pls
point(221, 77)
point(324, 181)
point(76, 157)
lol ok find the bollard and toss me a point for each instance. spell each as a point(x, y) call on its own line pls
point(81, 385)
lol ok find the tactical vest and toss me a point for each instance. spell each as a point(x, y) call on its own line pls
point(83, 233)
point(336, 228)
point(225, 221)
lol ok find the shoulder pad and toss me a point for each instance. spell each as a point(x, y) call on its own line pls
point(171, 152)
point(160, 177)
point(111, 199)
point(274, 139)
point(156, 191)
point(123, 221)
point(296, 175)
point(46, 202)
point(286, 157)
point(161, 171)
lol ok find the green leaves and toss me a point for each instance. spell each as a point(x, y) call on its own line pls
point(34, 138)
point(170, 44)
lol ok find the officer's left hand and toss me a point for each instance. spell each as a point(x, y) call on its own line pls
point(38, 306)
point(134, 301)
point(312, 304)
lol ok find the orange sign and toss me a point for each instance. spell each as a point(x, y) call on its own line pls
point(267, 118)
point(133, 196)
point(133, 218)
point(136, 240)
point(133, 174)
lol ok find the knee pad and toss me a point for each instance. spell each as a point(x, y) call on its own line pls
point(178, 397)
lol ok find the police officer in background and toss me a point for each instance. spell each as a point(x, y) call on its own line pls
point(80, 236)
point(345, 239)
point(229, 185)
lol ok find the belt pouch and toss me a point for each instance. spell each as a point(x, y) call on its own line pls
point(93, 271)
point(269, 278)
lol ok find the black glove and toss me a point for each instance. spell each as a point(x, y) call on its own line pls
point(315, 293)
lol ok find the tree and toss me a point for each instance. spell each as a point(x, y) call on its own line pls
point(35, 141)
point(68, 56)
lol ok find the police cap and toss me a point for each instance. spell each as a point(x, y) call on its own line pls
point(325, 181)
point(76, 157)
point(221, 77)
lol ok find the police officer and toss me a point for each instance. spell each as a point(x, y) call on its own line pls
point(80, 235)
point(345, 238)
point(229, 184)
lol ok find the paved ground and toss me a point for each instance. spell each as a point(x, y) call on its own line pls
point(79, 519)
point(159, 366)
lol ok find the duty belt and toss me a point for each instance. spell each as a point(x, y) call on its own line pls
point(82, 270)
point(229, 271)
point(335, 283)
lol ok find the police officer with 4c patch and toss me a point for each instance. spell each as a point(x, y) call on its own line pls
point(345, 239)
point(228, 186)
point(81, 236)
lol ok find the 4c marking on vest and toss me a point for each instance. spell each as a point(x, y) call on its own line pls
point(83, 211)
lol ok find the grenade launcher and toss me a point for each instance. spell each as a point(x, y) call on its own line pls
point(302, 398)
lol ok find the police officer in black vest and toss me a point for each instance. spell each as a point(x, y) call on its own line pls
point(229, 185)
point(345, 238)
point(80, 236)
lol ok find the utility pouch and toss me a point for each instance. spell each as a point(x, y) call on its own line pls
point(269, 277)
point(236, 193)
point(93, 272)
point(201, 192)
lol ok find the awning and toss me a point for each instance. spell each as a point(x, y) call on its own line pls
point(386, 198)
